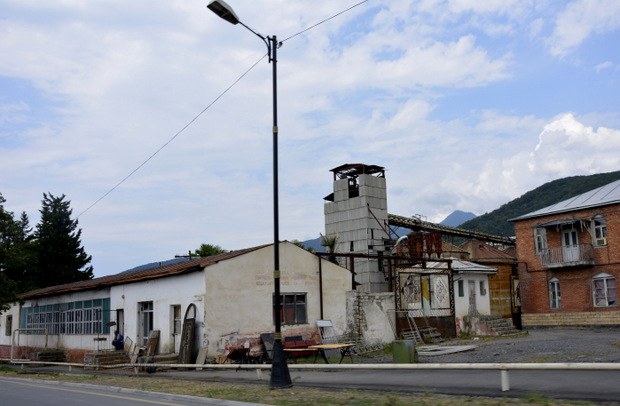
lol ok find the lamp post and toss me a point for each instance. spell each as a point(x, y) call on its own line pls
point(280, 377)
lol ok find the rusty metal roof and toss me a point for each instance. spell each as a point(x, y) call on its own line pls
point(196, 264)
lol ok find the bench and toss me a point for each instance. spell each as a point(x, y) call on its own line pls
point(297, 347)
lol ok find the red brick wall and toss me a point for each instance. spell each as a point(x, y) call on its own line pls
point(575, 282)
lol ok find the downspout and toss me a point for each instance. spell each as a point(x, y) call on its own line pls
point(320, 285)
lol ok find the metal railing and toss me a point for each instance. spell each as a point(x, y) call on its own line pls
point(504, 368)
point(554, 257)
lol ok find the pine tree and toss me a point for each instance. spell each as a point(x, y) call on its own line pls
point(60, 257)
point(14, 241)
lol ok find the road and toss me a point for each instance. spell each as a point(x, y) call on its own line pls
point(18, 392)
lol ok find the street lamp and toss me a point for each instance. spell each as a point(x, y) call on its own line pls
point(280, 377)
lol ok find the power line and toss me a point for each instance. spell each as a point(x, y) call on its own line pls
point(174, 136)
point(209, 106)
point(327, 19)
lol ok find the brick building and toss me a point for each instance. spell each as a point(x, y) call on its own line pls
point(569, 260)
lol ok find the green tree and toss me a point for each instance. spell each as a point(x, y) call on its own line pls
point(206, 250)
point(60, 257)
point(15, 255)
point(329, 242)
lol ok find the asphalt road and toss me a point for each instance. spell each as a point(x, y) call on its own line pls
point(558, 345)
point(19, 392)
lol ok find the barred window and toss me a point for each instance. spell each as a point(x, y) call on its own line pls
point(69, 321)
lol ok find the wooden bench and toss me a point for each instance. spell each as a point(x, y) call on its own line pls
point(297, 347)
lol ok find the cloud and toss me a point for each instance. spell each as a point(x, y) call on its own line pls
point(581, 19)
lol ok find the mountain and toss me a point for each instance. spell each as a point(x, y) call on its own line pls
point(496, 222)
point(457, 218)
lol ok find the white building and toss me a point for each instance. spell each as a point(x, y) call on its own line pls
point(232, 294)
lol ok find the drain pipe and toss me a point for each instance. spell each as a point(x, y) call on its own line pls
point(25, 329)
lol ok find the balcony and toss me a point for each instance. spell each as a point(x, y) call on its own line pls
point(562, 257)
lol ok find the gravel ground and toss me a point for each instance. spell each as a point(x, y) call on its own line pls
point(539, 345)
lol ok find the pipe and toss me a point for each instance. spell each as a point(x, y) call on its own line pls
point(26, 329)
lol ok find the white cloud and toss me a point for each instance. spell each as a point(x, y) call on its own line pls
point(580, 20)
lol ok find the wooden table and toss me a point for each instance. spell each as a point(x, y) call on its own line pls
point(345, 349)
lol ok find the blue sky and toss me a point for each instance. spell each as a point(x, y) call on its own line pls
point(467, 104)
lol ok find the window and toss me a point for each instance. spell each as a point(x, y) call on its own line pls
point(555, 301)
point(293, 308)
point(83, 317)
point(176, 319)
point(8, 325)
point(604, 290)
point(461, 288)
point(483, 290)
point(600, 231)
point(540, 239)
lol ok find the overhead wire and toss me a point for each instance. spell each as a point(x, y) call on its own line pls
point(209, 106)
point(174, 136)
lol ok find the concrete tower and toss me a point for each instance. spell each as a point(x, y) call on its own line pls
point(357, 213)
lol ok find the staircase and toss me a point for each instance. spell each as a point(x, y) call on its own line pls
point(499, 326)
point(49, 356)
point(95, 359)
point(430, 335)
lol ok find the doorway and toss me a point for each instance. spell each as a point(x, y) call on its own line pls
point(145, 322)
point(570, 246)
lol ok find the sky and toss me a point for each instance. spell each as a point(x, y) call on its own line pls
point(154, 117)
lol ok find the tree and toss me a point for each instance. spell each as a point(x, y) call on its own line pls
point(14, 255)
point(60, 258)
point(206, 250)
point(329, 242)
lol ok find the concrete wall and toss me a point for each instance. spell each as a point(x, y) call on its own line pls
point(239, 293)
point(350, 219)
point(371, 317)
point(180, 290)
point(482, 298)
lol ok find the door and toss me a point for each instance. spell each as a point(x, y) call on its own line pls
point(145, 322)
point(176, 328)
point(473, 308)
point(570, 246)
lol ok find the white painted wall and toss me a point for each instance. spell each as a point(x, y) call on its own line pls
point(239, 292)
point(78, 341)
point(461, 304)
point(181, 290)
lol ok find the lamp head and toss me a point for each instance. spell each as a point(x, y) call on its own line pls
point(224, 11)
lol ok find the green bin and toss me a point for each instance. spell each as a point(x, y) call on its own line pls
point(403, 352)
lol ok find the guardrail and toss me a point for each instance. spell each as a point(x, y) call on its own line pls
point(504, 368)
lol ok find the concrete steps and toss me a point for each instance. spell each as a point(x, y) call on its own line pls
point(499, 326)
point(105, 358)
point(49, 356)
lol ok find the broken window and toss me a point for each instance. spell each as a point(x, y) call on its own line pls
point(293, 308)
point(604, 290)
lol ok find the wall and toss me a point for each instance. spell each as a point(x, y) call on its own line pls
point(371, 317)
point(461, 304)
point(239, 292)
point(75, 345)
point(350, 219)
point(182, 290)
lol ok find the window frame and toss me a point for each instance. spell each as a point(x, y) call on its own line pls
point(293, 308)
point(540, 240)
point(599, 230)
point(555, 294)
point(609, 294)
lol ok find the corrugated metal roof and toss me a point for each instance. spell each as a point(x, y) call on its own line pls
point(142, 274)
point(602, 196)
point(459, 265)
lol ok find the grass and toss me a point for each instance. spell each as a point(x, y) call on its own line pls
point(260, 393)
